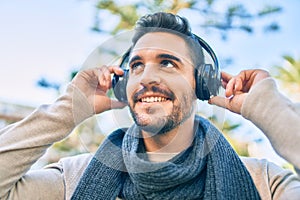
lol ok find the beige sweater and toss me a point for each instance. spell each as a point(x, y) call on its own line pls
point(23, 143)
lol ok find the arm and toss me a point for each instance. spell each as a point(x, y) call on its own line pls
point(272, 181)
point(277, 117)
point(254, 95)
point(23, 143)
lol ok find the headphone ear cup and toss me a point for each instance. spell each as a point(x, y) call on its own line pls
point(207, 76)
point(203, 81)
point(119, 84)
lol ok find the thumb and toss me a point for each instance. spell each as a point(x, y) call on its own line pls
point(115, 104)
point(108, 104)
point(219, 101)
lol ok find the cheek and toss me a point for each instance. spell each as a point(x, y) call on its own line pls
point(131, 87)
point(183, 84)
point(128, 92)
point(180, 84)
point(190, 83)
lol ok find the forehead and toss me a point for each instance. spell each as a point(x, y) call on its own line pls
point(162, 41)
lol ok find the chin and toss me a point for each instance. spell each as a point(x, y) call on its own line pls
point(155, 125)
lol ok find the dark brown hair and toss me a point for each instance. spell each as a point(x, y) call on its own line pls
point(175, 24)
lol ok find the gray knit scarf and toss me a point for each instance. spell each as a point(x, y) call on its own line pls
point(209, 169)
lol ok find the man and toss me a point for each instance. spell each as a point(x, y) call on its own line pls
point(169, 152)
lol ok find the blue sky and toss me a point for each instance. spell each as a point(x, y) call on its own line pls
point(51, 38)
point(42, 38)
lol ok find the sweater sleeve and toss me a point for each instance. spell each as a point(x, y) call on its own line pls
point(272, 181)
point(24, 142)
point(277, 117)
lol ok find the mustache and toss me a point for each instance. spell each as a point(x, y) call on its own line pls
point(154, 89)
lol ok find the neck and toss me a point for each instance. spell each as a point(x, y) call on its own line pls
point(174, 141)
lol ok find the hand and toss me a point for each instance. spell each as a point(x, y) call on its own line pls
point(237, 88)
point(94, 84)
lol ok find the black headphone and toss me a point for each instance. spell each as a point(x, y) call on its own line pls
point(207, 76)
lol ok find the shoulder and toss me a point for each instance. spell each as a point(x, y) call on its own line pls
point(71, 169)
point(271, 180)
point(79, 160)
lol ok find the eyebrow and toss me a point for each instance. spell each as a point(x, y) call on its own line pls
point(167, 56)
point(134, 58)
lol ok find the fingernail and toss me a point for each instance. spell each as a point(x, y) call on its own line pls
point(230, 96)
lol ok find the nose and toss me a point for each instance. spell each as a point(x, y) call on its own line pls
point(150, 75)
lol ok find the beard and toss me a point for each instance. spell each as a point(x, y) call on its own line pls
point(165, 123)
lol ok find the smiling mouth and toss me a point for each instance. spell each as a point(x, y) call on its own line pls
point(153, 99)
point(153, 95)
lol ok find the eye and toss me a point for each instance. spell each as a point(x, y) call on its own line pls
point(167, 63)
point(136, 65)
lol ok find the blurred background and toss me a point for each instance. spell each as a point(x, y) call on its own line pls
point(43, 44)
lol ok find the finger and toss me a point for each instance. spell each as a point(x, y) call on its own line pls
point(117, 104)
point(105, 73)
point(219, 101)
point(245, 80)
point(260, 75)
point(238, 85)
point(227, 83)
point(229, 90)
point(104, 77)
point(224, 84)
point(116, 70)
point(107, 104)
point(226, 76)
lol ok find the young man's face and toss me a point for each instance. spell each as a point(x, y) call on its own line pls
point(161, 83)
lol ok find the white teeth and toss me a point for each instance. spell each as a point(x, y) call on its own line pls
point(153, 99)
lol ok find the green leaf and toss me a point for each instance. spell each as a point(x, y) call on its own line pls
point(290, 59)
point(246, 28)
point(269, 10)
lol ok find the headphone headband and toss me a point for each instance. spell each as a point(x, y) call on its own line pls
point(207, 48)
